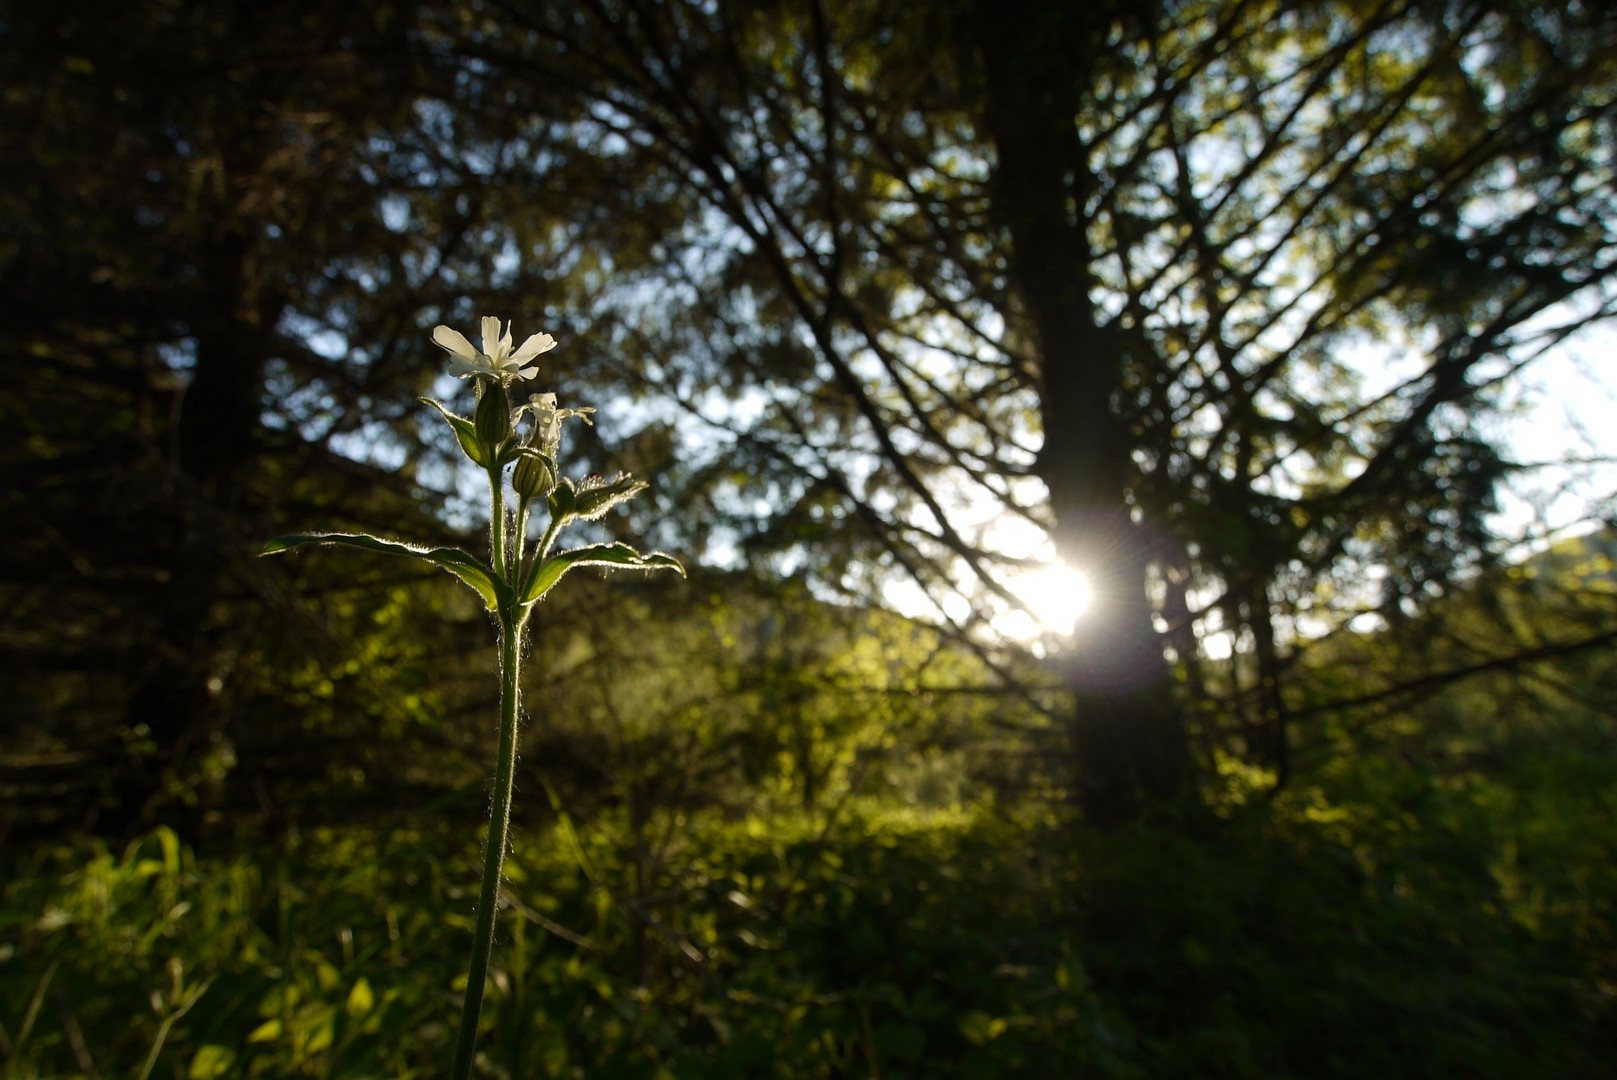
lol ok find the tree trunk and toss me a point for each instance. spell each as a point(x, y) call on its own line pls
point(1127, 734)
point(173, 706)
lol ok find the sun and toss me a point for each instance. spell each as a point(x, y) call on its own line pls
point(1056, 595)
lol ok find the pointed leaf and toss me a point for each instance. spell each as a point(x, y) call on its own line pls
point(593, 500)
point(456, 561)
point(465, 432)
point(509, 451)
point(564, 499)
point(616, 556)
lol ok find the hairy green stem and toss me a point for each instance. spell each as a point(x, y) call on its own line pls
point(519, 558)
point(496, 487)
point(545, 541)
point(512, 624)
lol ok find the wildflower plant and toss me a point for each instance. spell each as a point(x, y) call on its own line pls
point(519, 571)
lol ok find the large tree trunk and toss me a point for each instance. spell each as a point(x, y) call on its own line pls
point(1127, 734)
point(173, 706)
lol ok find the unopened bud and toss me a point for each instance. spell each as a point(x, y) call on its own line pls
point(493, 415)
point(535, 475)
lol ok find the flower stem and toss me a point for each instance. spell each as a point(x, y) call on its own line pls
point(519, 545)
point(496, 487)
point(512, 625)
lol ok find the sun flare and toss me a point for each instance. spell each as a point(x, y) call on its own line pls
point(1056, 595)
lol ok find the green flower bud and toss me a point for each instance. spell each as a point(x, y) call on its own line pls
point(493, 415)
point(535, 475)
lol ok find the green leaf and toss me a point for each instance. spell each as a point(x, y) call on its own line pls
point(211, 1061)
point(615, 556)
point(593, 500)
point(456, 561)
point(268, 1031)
point(465, 432)
point(563, 500)
point(361, 999)
point(980, 1028)
point(509, 451)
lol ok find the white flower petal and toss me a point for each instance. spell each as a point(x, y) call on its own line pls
point(491, 336)
point(454, 341)
point(464, 369)
point(534, 346)
point(528, 372)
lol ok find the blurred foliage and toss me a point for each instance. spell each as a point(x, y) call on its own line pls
point(1381, 922)
point(756, 844)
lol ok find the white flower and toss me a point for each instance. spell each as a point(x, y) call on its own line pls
point(497, 358)
point(547, 418)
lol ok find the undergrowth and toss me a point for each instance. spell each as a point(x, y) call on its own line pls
point(1381, 922)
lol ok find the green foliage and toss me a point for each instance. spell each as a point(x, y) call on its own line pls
point(1433, 896)
point(1378, 922)
point(757, 698)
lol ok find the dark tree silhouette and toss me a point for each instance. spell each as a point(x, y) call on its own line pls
point(882, 287)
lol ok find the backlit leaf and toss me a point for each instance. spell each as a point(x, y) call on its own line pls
point(456, 561)
point(615, 556)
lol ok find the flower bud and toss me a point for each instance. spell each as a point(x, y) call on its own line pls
point(493, 415)
point(535, 475)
